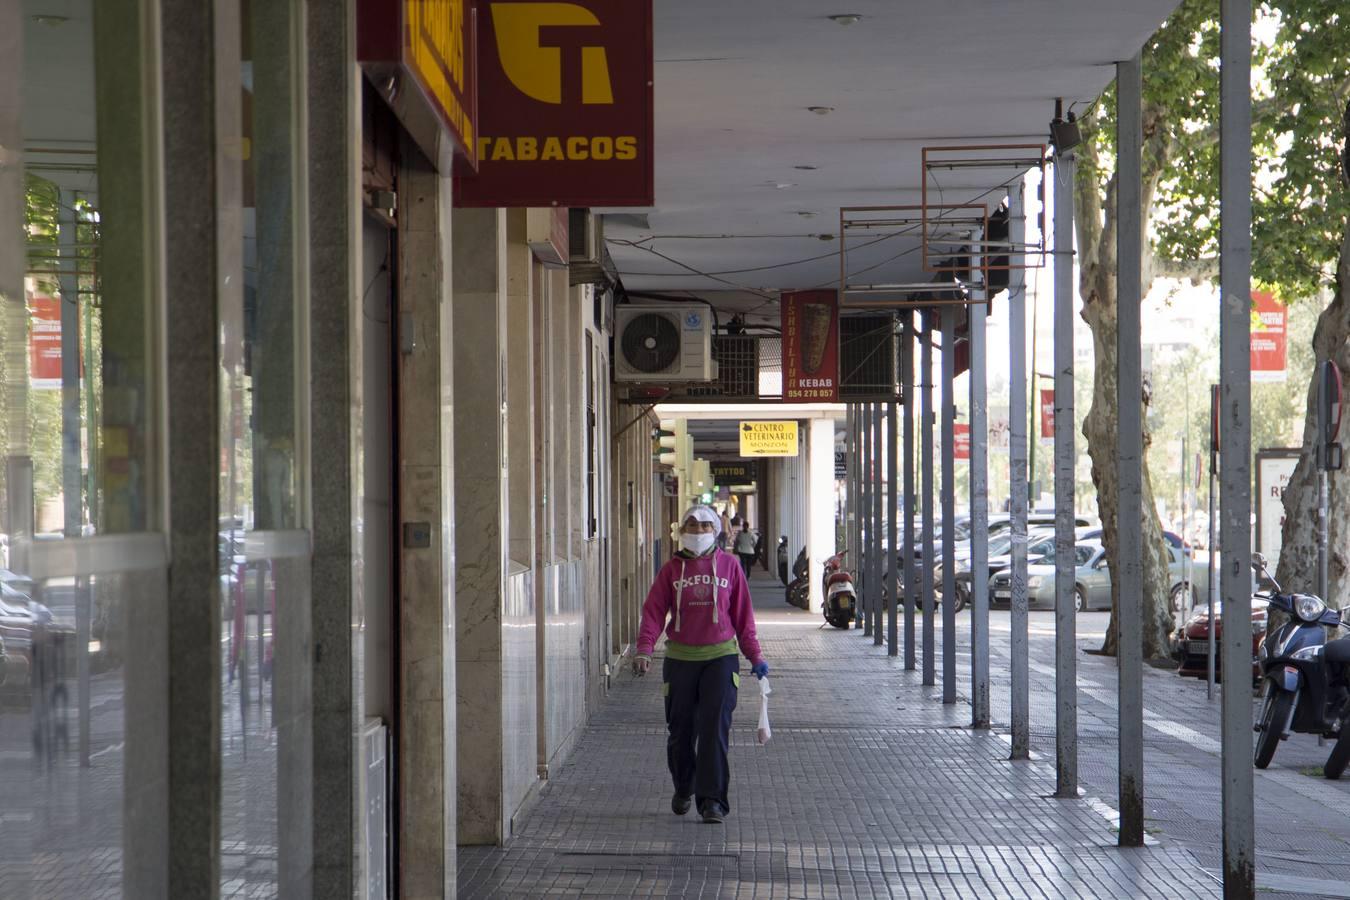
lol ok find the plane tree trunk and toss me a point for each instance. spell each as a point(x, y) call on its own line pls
point(1298, 555)
point(1095, 212)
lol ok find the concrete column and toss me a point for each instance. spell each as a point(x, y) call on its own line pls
point(335, 396)
point(426, 739)
point(479, 275)
point(820, 509)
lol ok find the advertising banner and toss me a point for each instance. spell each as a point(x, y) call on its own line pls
point(1047, 415)
point(1000, 428)
point(425, 50)
point(961, 440)
point(1274, 469)
point(1269, 340)
point(810, 328)
point(565, 105)
point(733, 473)
point(768, 438)
point(44, 342)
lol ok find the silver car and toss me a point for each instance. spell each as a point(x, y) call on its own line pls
point(1092, 579)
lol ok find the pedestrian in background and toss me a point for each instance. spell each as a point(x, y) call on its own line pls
point(701, 601)
point(746, 548)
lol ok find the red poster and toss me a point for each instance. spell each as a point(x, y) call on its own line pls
point(1047, 414)
point(961, 436)
point(565, 105)
point(44, 342)
point(1270, 345)
point(810, 321)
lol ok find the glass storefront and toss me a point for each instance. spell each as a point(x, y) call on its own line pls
point(82, 555)
point(264, 542)
point(85, 624)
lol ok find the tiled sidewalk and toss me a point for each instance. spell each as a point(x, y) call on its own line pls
point(870, 788)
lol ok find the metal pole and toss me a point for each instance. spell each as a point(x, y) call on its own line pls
point(1066, 618)
point(926, 489)
point(979, 521)
point(1323, 527)
point(71, 482)
point(1018, 426)
point(1130, 453)
point(850, 495)
point(855, 506)
point(865, 509)
point(1213, 530)
point(1235, 259)
point(877, 526)
point(1033, 428)
point(892, 528)
point(907, 495)
point(948, 505)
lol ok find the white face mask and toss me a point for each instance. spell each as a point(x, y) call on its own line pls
point(698, 544)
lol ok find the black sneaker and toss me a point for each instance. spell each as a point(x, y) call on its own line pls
point(713, 814)
point(680, 805)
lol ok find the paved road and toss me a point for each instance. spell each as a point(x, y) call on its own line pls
point(871, 787)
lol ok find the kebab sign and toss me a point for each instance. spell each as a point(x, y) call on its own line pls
point(810, 321)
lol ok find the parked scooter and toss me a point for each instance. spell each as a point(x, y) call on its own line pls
point(799, 588)
point(1306, 678)
point(782, 559)
point(840, 597)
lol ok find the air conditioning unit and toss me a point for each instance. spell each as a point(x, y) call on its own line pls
point(586, 240)
point(663, 343)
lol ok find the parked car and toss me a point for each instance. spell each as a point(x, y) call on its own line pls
point(1192, 641)
point(23, 623)
point(1000, 557)
point(1092, 581)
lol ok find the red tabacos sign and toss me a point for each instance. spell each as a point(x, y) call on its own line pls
point(1047, 414)
point(565, 94)
point(421, 54)
point(810, 323)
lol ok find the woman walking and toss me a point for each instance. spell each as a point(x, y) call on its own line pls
point(701, 601)
point(746, 547)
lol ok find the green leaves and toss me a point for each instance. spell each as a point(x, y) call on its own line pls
point(1301, 83)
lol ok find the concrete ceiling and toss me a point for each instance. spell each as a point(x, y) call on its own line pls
point(58, 91)
point(733, 83)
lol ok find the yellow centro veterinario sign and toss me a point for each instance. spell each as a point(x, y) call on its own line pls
point(768, 438)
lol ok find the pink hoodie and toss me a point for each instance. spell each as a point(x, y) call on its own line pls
point(702, 610)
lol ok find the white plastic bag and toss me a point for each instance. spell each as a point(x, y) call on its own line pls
point(764, 691)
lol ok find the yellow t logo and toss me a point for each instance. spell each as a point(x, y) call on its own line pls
point(536, 69)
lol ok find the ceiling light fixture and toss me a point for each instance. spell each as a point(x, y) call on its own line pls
point(782, 185)
point(806, 213)
point(821, 110)
point(845, 18)
point(806, 168)
point(51, 21)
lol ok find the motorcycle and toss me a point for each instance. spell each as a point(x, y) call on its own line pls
point(1306, 677)
point(841, 598)
point(799, 589)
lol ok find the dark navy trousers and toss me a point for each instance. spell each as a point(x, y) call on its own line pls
point(700, 697)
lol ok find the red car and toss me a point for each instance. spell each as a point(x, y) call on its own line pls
point(1193, 642)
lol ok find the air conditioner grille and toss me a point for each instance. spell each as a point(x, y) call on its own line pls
point(650, 343)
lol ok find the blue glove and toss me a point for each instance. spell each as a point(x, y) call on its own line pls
point(760, 669)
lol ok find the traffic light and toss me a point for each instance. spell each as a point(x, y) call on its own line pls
point(674, 446)
point(700, 477)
